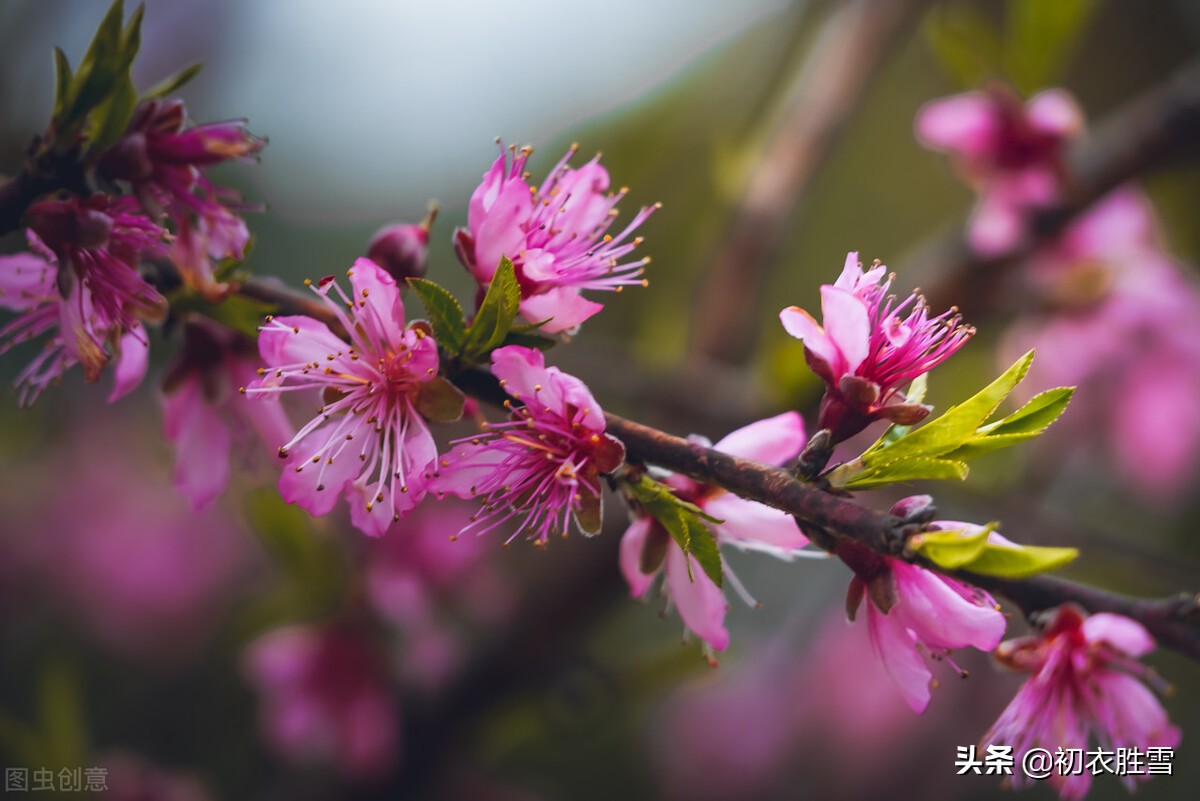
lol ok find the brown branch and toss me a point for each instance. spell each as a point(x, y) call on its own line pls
point(827, 517)
point(1158, 128)
point(824, 96)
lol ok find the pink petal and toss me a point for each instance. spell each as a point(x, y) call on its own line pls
point(564, 306)
point(297, 340)
point(373, 522)
point(1055, 112)
point(523, 374)
point(1131, 713)
point(26, 280)
point(802, 326)
point(500, 231)
point(851, 273)
point(941, 617)
point(630, 560)
point(897, 650)
point(374, 289)
point(847, 324)
point(202, 443)
point(133, 358)
point(774, 441)
point(301, 486)
point(963, 123)
point(755, 526)
point(701, 603)
point(997, 224)
point(465, 468)
point(1122, 633)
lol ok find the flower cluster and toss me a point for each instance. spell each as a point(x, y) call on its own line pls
point(870, 346)
point(915, 613)
point(79, 286)
point(162, 161)
point(556, 236)
point(647, 549)
point(544, 463)
point(369, 440)
point(1011, 152)
point(1085, 683)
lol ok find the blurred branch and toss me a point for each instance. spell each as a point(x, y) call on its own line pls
point(823, 97)
point(1158, 128)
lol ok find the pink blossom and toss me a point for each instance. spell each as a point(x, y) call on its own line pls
point(870, 346)
point(79, 287)
point(555, 235)
point(915, 613)
point(162, 161)
point(431, 585)
point(1085, 684)
point(1012, 153)
point(369, 441)
point(325, 698)
point(203, 414)
point(401, 248)
point(544, 463)
point(647, 549)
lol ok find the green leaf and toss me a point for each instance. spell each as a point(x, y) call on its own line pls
point(444, 313)
point(110, 119)
point(440, 401)
point(62, 82)
point(1041, 38)
point(173, 83)
point(1030, 421)
point(535, 341)
point(235, 311)
point(956, 550)
point(854, 476)
point(496, 314)
point(684, 521)
point(965, 42)
point(97, 73)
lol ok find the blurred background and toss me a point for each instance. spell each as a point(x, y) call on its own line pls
point(198, 653)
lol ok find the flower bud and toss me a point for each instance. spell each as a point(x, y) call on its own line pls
point(400, 249)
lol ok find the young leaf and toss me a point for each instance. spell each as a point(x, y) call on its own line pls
point(63, 78)
point(173, 83)
point(976, 553)
point(1041, 36)
point(684, 521)
point(854, 476)
point(111, 117)
point(496, 314)
point(98, 71)
point(536, 341)
point(965, 42)
point(444, 312)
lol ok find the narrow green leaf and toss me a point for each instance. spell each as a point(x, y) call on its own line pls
point(704, 549)
point(536, 341)
point(111, 117)
point(684, 521)
point(99, 68)
point(1041, 37)
point(173, 83)
point(965, 42)
point(1021, 561)
point(1035, 416)
point(913, 468)
point(444, 313)
point(958, 424)
point(496, 313)
point(951, 549)
point(62, 82)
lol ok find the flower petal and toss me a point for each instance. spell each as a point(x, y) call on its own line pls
point(774, 441)
point(632, 542)
point(896, 649)
point(847, 324)
point(701, 603)
point(755, 526)
point(564, 307)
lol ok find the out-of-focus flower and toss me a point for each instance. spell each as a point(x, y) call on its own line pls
point(325, 698)
point(369, 440)
point(1086, 683)
point(1119, 320)
point(202, 411)
point(544, 463)
point(646, 547)
point(126, 562)
point(162, 162)
point(870, 346)
point(128, 777)
point(556, 236)
point(914, 612)
point(401, 248)
point(432, 584)
point(80, 287)
point(1010, 152)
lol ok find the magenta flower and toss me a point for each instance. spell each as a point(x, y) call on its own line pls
point(162, 162)
point(1010, 152)
point(544, 463)
point(79, 287)
point(555, 235)
point(325, 698)
point(1086, 684)
point(203, 414)
point(915, 613)
point(1119, 321)
point(369, 440)
point(647, 549)
point(871, 346)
